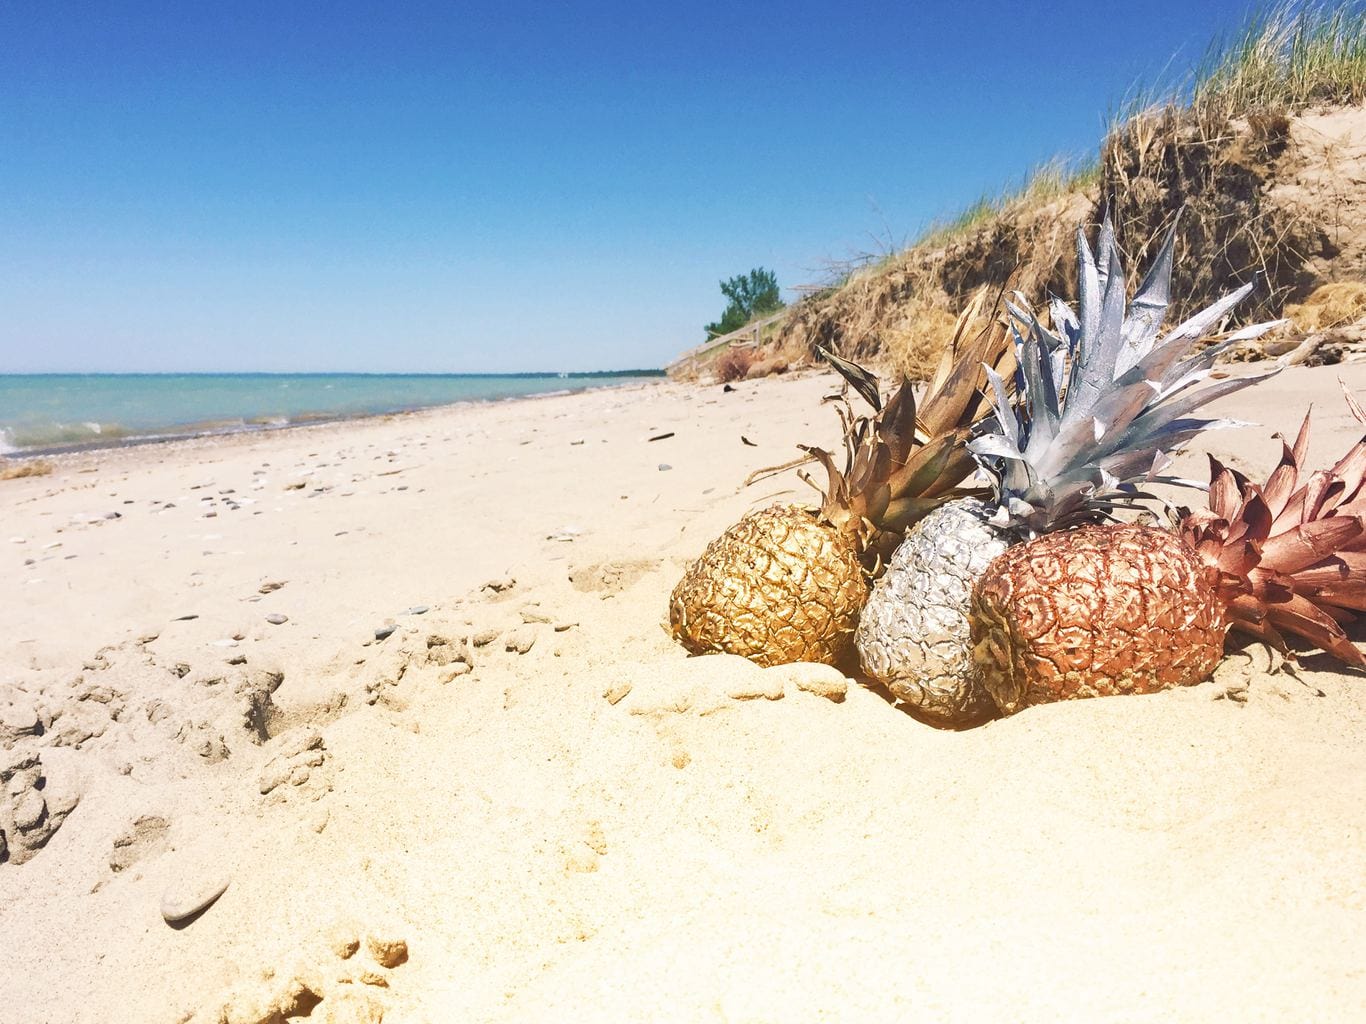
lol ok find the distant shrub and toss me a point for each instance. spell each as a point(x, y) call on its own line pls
point(733, 364)
point(750, 295)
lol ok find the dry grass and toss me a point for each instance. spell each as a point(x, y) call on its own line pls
point(32, 467)
point(1209, 149)
point(1330, 305)
point(1052, 180)
point(1285, 59)
point(1206, 148)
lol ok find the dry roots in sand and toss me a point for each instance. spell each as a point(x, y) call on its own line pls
point(1132, 609)
point(787, 583)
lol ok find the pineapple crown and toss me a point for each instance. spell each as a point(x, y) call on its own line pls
point(1290, 554)
point(909, 457)
point(1100, 406)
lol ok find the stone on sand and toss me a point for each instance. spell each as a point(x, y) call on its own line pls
point(188, 896)
point(388, 950)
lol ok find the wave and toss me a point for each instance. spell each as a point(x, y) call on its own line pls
point(20, 437)
point(50, 414)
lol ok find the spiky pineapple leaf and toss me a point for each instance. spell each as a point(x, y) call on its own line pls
point(859, 379)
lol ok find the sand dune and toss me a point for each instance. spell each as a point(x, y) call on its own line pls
point(525, 803)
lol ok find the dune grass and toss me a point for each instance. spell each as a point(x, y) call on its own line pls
point(1277, 62)
point(1057, 177)
point(1284, 59)
point(1280, 59)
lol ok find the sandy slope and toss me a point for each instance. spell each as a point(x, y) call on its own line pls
point(601, 828)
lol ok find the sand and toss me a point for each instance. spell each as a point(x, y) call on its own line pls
point(525, 803)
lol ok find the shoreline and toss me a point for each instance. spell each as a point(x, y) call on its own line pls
point(303, 421)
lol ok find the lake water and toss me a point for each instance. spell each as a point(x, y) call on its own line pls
point(54, 412)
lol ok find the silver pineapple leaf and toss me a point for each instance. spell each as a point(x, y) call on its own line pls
point(1102, 404)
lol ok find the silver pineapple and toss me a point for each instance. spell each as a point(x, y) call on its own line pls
point(927, 582)
point(1098, 410)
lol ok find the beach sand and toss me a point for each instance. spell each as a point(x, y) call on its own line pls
point(527, 803)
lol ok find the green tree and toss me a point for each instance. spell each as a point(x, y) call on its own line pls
point(750, 295)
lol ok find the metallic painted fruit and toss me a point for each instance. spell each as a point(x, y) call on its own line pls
point(913, 635)
point(778, 586)
point(1095, 611)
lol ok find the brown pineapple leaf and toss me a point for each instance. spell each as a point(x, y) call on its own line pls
point(1302, 617)
point(859, 379)
point(1352, 404)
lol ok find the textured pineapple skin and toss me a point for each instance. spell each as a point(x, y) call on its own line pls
point(778, 586)
point(913, 636)
point(1095, 611)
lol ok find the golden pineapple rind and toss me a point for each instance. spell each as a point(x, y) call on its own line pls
point(1095, 611)
point(777, 587)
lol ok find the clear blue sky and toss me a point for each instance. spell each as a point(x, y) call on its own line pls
point(502, 186)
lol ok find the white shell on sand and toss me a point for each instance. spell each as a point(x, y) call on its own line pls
point(188, 897)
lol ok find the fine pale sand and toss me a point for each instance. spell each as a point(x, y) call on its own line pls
point(588, 824)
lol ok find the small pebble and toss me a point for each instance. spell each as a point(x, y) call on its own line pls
point(520, 640)
point(276, 619)
point(388, 952)
point(664, 467)
point(182, 901)
point(418, 609)
point(384, 632)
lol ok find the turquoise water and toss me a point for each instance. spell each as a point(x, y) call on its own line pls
point(46, 412)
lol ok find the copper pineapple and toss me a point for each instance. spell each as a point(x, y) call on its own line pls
point(1092, 611)
point(1132, 609)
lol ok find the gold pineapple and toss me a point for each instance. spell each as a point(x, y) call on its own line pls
point(1133, 609)
point(787, 583)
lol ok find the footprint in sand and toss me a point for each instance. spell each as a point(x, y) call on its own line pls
point(299, 769)
point(30, 810)
point(674, 692)
point(452, 657)
point(145, 838)
point(346, 985)
point(705, 685)
point(611, 578)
